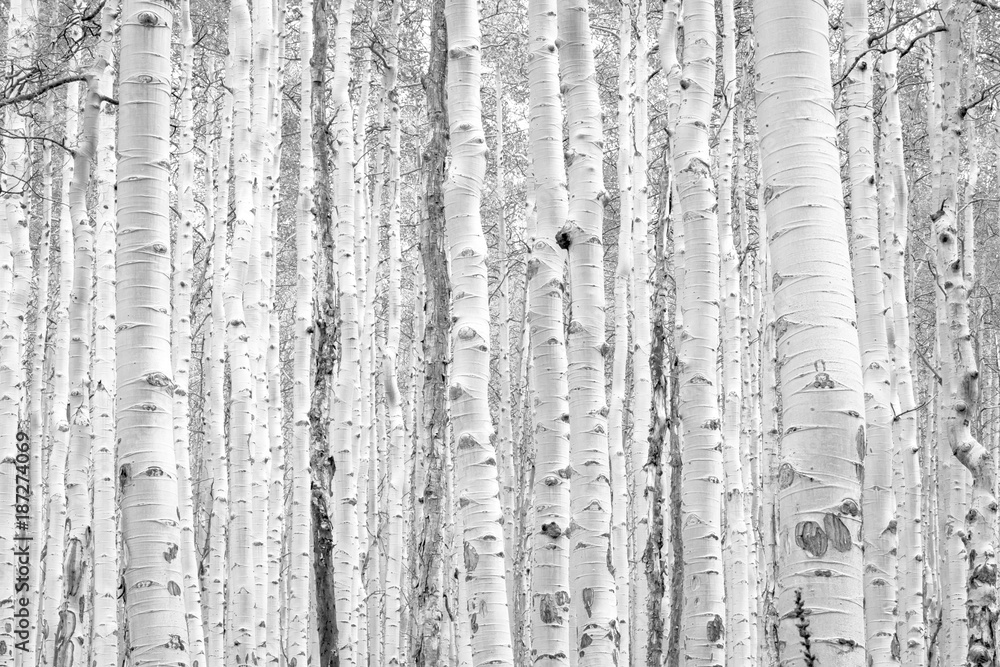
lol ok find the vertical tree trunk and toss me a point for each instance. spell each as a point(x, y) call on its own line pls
point(183, 276)
point(704, 632)
point(299, 530)
point(593, 598)
point(739, 646)
point(428, 488)
point(620, 496)
point(912, 632)
point(395, 464)
point(59, 413)
point(242, 612)
point(218, 571)
point(104, 630)
point(550, 598)
point(38, 395)
point(821, 618)
point(878, 503)
point(961, 382)
point(642, 487)
point(15, 470)
point(146, 463)
point(475, 457)
point(343, 436)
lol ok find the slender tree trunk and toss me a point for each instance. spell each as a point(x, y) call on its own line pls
point(183, 276)
point(910, 619)
point(961, 382)
point(620, 496)
point(593, 587)
point(395, 466)
point(642, 486)
point(215, 589)
point(59, 413)
point(739, 646)
point(146, 463)
point(703, 624)
point(343, 434)
point(429, 487)
point(550, 596)
point(476, 458)
point(104, 630)
point(242, 612)
point(299, 530)
point(821, 618)
point(15, 470)
point(878, 503)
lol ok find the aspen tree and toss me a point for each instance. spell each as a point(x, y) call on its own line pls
point(183, 277)
point(878, 504)
point(255, 303)
point(431, 431)
point(146, 464)
point(104, 630)
point(623, 275)
point(14, 223)
point(38, 395)
point(242, 612)
point(946, 476)
point(703, 625)
point(394, 409)
point(822, 403)
point(668, 434)
point(911, 639)
point(544, 275)
point(323, 617)
point(276, 501)
point(59, 414)
point(739, 646)
point(476, 467)
point(345, 394)
point(961, 379)
point(658, 544)
point(381, 471)
point(215, 599)
point(365, 408)
point(299, 583)
point(593, 597)
point(505, 431)
point(642, 486)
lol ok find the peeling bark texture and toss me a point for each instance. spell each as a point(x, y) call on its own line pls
point(429, 502)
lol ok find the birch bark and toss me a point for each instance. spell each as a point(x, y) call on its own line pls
point(146, 463)
point(546, 266)
point(476, 458)
point(593, 600)
point(822, 403)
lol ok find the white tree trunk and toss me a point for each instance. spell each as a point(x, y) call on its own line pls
point(475, 459)
point(550, 638)
point(593, 587)
point(703, 631)
point(878, 503)
point(821, 618)
point(146, 463)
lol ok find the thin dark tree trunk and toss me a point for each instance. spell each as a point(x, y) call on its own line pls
point(430, 495)
point(324, 351)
